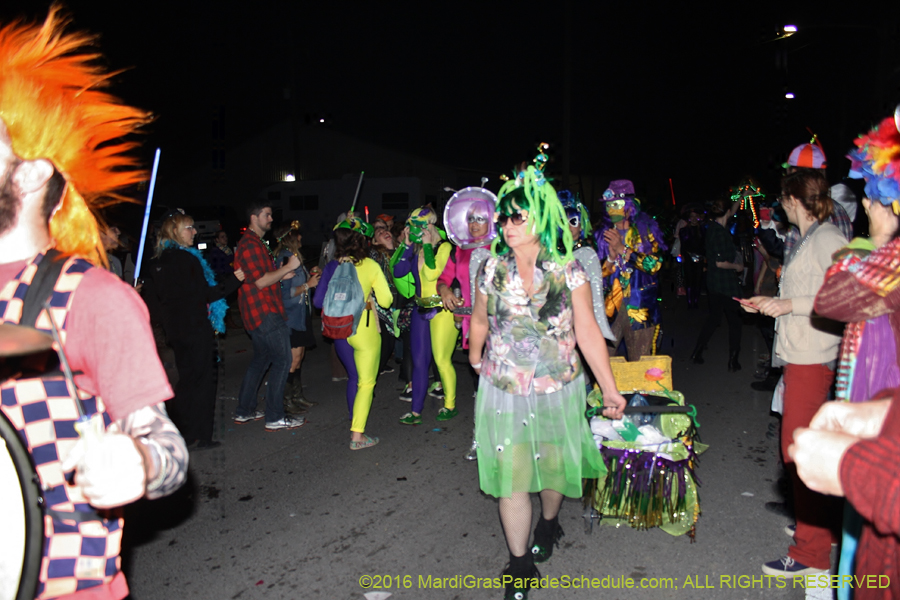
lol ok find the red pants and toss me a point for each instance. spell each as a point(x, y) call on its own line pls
point(818, 516)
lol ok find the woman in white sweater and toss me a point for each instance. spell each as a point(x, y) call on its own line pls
point(807, 346)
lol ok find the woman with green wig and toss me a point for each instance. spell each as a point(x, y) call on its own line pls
point(532, 306)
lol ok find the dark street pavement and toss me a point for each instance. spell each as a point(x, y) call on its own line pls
point(296, 514)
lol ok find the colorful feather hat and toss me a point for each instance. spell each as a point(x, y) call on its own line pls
point(877, 160)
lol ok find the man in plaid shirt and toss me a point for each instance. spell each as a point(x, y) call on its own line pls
point(259, 299)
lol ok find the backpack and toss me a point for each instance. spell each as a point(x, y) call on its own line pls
point(344, 302)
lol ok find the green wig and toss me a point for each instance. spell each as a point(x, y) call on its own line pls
point(546, 216)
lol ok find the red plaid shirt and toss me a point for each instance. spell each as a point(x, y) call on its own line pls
point(870, 474)
point(252, 256)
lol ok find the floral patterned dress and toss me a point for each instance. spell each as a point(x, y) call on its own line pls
point(529, 414)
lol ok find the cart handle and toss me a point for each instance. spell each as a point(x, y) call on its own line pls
point(690, 410)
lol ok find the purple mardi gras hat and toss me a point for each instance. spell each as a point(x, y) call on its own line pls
point(619, 189)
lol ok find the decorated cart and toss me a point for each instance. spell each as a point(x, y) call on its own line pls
point(650, 455)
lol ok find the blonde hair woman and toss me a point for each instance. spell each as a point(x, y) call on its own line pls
point(184, 296)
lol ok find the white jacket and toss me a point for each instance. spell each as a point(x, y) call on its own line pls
point(801, 337)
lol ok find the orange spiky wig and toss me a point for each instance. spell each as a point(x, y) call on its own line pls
point(52, 107)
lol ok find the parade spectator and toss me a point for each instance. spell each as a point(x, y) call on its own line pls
point(630, 246)
point(811, 157)
point(807, 346)
point(859, 290)
point(221, 256)
point(723, 264)
point(262, 312)
point(295, 294)
point(62, 155)
point(693, 253)
point(360, 352)
point(381, 250)
point(109, 235)
point(530, 427)
point(185, 297)
point(850, 450)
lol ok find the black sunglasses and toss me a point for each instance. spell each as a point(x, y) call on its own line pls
point(517, 218)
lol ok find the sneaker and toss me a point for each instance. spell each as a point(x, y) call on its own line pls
point(788, 567)
point(386, 370)
point(336, 379)
point(411, 419)
point(406, 394)
point(287, 422)
point(445, 414)
point(254, 416)
point(436, 390)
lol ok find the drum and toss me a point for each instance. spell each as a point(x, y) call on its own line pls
point(23, 524)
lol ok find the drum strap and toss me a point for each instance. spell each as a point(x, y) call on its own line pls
point(41, 287)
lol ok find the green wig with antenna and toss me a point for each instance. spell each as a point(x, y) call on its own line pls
point(531, 191)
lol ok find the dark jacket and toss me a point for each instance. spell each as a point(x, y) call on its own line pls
point(177, 294)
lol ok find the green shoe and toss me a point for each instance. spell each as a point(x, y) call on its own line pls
point(411, 419)
point(445, 414)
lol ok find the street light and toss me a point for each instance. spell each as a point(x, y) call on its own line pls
point(789, 30)
point(789, 95)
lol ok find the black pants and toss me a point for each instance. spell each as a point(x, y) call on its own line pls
point(693, 281)
point(721, 304)
point(193, 407)
point(387, 347)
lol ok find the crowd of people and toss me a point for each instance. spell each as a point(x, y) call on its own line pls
point(522, 282)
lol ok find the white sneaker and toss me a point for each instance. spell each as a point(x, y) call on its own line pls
point(256, 415)
point(287, 422)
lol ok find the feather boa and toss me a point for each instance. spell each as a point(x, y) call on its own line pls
point(217, 309)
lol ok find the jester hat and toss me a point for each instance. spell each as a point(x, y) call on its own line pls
point(53, 106)
point(470, 201)
point(619, 200)
point(356, 224)
point(877, 160)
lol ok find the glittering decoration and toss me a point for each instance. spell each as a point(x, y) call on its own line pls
point(648, 486)
point(587, 257)
point(748, 194)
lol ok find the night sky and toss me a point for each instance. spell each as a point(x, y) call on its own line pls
point(695, 93)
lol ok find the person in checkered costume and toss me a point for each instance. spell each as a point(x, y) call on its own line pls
point(61, 155)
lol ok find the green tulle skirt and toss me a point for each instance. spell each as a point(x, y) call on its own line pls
point(533, 443)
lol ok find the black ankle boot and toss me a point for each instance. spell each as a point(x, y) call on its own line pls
point(733, 364)
point(546, 535)
point(518, 577)
point(697, 356)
